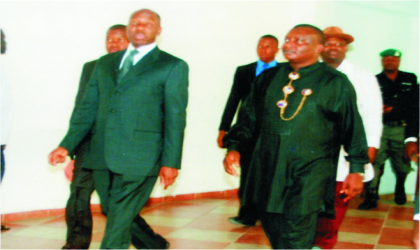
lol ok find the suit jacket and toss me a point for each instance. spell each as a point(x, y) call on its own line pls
point(84, 79)
point(244, 76)
point(139, 123)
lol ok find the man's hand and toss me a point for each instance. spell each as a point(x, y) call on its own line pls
point(411, 151)
point(167, 176)
point(58, 156)
point(386, 109)
point(222, 134)
point(371, 153)
point(231, 160)
point(352, 186)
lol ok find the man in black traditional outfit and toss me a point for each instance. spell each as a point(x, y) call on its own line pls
point(301, 112)
point(267, 48)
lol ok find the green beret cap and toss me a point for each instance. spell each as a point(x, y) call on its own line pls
point(391, 52)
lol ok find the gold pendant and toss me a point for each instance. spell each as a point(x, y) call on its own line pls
point(287, 90)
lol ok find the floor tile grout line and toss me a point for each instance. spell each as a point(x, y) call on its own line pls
point(382, 228)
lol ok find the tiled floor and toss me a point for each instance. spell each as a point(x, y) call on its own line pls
point(203, 224)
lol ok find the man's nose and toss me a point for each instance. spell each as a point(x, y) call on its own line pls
point(140, 26)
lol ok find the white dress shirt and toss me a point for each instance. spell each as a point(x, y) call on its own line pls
point(369, 103)
point(143, 50)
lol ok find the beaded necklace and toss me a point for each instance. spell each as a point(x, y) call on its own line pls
point(288, 89)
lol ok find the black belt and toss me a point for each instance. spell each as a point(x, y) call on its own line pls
point(395, 123)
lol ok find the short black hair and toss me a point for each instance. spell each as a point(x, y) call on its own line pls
point(117, 27)
point(316, 29)
point(271, 37)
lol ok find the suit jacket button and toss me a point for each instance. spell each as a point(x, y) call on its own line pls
point(116, 92)
point(112, 110)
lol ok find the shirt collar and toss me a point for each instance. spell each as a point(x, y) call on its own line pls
point(307, 69)
point(270, 64)
point(143, 50)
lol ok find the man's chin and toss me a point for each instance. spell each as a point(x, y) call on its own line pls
point(390, 70)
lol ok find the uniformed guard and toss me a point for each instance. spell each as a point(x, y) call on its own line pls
point(400, 106)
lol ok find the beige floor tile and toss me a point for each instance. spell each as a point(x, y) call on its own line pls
point(215, 202)
point(225, 210)
point(165, 221)
point(391, 247)
point(392, 202)
point(32, 222)
point(205, 235)
point(43, 232)
point(358, 238)
point(94, 245)
point(399, 223)
point(246, 246)
point(366, 214)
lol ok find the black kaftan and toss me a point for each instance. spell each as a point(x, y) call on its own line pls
point(294, 165)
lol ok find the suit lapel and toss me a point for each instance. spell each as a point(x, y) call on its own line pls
point(113, 65)
point(252, 71)
point(148, 62)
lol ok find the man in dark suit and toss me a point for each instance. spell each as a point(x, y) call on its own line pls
point(267, 48)
point(135, 107)
point(301, 112)
point(78, 214)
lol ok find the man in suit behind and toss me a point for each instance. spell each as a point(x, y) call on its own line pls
point(78, 214)
point(135, 106)
point(267, 49)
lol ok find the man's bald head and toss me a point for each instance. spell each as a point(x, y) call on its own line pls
point(146, 11)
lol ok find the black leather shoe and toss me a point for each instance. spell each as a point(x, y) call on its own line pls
point(241, 221)
point(3, 227)
point(368, 204)
point(370, 200)
point(400, 197)
point(72, 246)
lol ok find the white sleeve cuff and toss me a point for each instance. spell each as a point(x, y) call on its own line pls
point(416, 217)
point(413, 139)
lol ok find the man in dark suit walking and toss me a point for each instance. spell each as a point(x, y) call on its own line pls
point(267, 49)
point(135, 107)
point(78, 213)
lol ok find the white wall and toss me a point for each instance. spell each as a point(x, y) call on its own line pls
point(48, 42)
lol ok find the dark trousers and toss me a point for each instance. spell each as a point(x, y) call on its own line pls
point(248, 211)
point(3, 163)
point(78, 213)
point(326, 235)
point(392, 147)
point(289, 233)
point(125, 197)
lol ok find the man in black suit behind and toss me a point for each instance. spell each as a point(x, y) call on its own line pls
point(267, 49)
point(135, 107)
point(78, 213)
